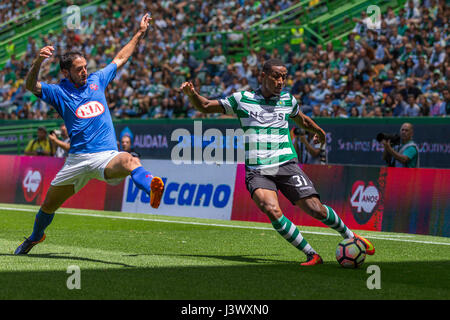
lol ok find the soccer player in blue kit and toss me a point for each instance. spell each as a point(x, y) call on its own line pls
point(80, 100)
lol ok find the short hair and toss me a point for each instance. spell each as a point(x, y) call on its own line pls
point(66, 59)
point(126, 136)
point(267, 66)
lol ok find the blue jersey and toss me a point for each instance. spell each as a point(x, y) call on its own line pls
point(85, 111)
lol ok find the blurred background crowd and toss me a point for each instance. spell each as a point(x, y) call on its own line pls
point(399, 69)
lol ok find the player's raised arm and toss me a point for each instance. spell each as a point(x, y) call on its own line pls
point(125, 53)
point(199, 102)
point(31, 82)
point(308, 124)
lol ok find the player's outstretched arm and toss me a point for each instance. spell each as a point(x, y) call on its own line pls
point(31, 82)
point(199, 102)
point(125, 53)
point(308, 124)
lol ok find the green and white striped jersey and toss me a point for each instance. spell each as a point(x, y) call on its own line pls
point(265, 124)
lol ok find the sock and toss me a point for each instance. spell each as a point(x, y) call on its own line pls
point(333, 221)
point(289, 231)
point(142, 178)
point(40, 223)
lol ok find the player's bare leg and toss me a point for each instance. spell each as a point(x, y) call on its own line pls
point(121, 166)
point(56, 196)
point(314, 207)
point(54, 199)
point(267, 202)
point(125, 164)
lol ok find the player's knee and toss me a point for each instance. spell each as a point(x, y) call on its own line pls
point(135, 162)
point(129, 162)
point(272, 210)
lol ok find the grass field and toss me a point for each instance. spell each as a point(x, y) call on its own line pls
point(137, 256)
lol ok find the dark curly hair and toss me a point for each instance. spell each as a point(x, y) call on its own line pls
point(66, 59)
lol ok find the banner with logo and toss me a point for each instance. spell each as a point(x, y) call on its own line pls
point(349, 141)
point(26, 179)
point(160, 139)
point(355, 143)
point(417, 201)
point(354, 193)
point(196, 190)
point(368, 198)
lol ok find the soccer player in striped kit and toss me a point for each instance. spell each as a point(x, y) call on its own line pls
point(80, 100)
point(270, 158)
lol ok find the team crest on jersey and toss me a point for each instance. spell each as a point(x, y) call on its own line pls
point(90, 110)
point(93, 86)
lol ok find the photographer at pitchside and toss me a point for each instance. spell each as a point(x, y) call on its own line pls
point(406, 153)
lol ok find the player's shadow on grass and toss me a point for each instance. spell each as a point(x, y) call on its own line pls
point(233, 258)
point(399, 280)
point(63, 256)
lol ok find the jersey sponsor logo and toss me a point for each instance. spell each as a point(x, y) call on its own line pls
point(363, 200)
point(90, 110)
point(267, 117)
point(31, 184)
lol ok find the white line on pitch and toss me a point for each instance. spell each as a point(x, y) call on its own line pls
point(379, 237)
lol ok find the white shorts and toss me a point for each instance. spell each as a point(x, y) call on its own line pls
point(80, 168)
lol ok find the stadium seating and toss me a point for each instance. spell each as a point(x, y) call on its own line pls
point(322, 36)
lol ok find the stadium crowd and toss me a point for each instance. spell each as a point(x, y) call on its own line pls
point(400, 69)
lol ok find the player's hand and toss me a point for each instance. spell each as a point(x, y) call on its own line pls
point(188, 89)
point(45, 52)
point(145, 21)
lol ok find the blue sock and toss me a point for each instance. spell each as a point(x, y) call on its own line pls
point(142, 178)
point(40, 223)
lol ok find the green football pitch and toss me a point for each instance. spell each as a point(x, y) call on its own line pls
point(137, 256)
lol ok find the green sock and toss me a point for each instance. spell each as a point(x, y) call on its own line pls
point(333, 221)
point(289, 231)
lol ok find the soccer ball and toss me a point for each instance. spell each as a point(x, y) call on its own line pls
point(351, 253)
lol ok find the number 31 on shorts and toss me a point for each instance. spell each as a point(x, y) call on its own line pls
point(301, 181)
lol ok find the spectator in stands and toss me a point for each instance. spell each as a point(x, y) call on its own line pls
point(405, 154)
point(446, 94)
point(60, 141)
point(437, 57)
point(399, 106)
point(412, 43)
point(126, 145)
point(437, 105)
point(319, 93)
point(411, 108)
point(420, 71)
point(308, 148)
point(410, 88)
point(41, 146)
